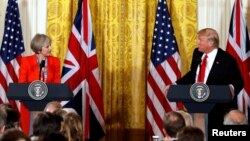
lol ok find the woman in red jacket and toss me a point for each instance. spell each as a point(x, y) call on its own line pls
point(30, 65)
point(39, 66)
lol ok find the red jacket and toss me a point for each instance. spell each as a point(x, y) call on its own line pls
point(29, 69)
point(29, 72)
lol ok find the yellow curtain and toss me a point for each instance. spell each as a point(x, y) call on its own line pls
point(184, 19)
point(61, 14)
point(123, 31)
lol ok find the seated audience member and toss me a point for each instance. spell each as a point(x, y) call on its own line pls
point(52, 106)
point(235, 117)
point(5, 105)
point(69, 110)
point(172, 123)
point(13, 119)
point(46, 123)
point(58, 136)
point(14, 134)
point(188, 118)
point(72, 127)
point(10, 116)
point(3, 116)
point(190, 133)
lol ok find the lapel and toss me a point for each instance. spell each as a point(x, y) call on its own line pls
point(48, 68)
point(215, 67)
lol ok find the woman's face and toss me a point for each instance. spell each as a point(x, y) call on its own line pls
point(46, 50)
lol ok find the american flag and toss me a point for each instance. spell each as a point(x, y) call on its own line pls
point(11, 51)
point(238, 46)
point(164, 70)
point(81, 72)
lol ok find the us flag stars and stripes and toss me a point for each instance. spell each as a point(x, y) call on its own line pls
point(11, 51)
point(164, 70)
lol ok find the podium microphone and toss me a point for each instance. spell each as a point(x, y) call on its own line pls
point(42, 64)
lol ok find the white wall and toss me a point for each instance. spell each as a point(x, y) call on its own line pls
point(217, 14)
point(33, 14)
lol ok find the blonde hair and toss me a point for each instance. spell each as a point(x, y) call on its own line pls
point(55, 105)
point(72, 127)
point(187, 117)
point(211, 35)
point(39, 41)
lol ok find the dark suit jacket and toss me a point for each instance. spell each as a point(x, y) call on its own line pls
point(224, 71)
point(29, 69)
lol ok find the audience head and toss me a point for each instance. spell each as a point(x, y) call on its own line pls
point(70, 110)
point(190, 133)
point(235, 117)
point(9, 118)
point(58, 136)
point(13, 119)
point(72, 127)
point(5, 105)
point(52, 106)
point(187, 117)
point(14, 134)
point(46, 123)
point(3, 117)
point(173, 122)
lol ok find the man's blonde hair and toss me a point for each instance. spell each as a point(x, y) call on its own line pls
point(211, 35)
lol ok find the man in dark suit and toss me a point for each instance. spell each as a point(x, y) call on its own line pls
point(221, 69)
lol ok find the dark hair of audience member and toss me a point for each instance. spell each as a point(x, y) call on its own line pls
point(12, 119)
point(46, 123)
point(5, 105)
point(14, 134)
point(173, 122)
point(3, 117)
point(57, 136)
point(190, 133)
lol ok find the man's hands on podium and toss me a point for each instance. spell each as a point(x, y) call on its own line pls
point(167, 89)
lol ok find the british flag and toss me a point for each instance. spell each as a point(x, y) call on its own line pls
point(11, 51)
point(238, 46)
point(164, 70)
point(80, 72)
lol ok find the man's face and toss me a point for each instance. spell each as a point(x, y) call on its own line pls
point(203, 44)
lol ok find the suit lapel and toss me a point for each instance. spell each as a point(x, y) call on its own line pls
point(215, 67)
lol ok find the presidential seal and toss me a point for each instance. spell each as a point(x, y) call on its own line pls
point(37, 90)
point(199, 92)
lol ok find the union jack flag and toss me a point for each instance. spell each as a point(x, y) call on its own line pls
point(11, 51)
point(80, 71)
point(238, 46)
point(164, 70)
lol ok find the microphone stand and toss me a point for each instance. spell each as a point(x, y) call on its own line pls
point(42, 64)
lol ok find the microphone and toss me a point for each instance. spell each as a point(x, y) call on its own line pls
point(42, 64)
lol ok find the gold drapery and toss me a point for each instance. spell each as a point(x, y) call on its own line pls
point(61, 14)
point(123, 33)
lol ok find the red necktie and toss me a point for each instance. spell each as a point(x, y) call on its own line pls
point(201, 76)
